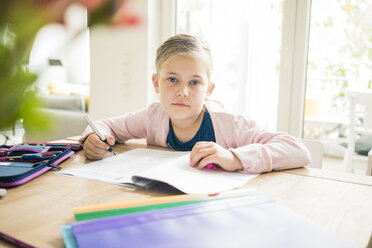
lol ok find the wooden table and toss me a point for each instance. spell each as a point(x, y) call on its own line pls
point(338, 202)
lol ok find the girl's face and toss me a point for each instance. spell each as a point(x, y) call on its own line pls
point(183, 85)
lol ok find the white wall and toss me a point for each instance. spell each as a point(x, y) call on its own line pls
point(123, 59)
point(161, 25)
point(118, 71)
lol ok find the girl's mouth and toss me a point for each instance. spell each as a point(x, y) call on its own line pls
point(180, 104)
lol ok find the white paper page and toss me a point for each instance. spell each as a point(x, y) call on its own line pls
point(120, 169)
point(166, 166)
point(179, 174)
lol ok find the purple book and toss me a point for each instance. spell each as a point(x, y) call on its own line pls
point(248, 221)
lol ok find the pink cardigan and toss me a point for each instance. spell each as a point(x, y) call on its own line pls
point(258, 150)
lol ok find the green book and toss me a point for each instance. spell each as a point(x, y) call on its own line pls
point(119, 211)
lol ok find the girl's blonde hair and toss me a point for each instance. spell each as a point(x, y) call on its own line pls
point(183, 44)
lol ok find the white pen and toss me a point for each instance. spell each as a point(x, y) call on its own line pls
point(99, 134)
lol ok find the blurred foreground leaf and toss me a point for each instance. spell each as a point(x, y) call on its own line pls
point(20, 21)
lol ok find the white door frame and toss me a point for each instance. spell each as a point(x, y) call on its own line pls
point(161, 25)
point(293, 64)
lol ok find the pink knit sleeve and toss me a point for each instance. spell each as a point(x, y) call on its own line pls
point(129, 126)
point(259, 150)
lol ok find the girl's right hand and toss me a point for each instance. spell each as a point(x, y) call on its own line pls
point(94, 148)
point(204, 153)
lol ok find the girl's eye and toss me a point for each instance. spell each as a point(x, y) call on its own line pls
point(172, 80)
point(194, 82)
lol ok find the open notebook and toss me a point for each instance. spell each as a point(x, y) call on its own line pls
point(143, 167)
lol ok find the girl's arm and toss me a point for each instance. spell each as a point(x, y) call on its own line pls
point(242, 145)
point(259, 150)
point(122, 128)
point(262, 151)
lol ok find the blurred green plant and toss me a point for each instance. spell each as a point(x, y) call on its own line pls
point(20, 21)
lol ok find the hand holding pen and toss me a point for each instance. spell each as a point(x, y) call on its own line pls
point(95, 146)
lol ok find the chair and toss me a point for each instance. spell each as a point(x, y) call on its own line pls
point(364, 99)
point(369, 167)
point(65, 113)
point(316, 151)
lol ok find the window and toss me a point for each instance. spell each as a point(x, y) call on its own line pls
point(60, 55)
point(245, 40)
point(340, 57)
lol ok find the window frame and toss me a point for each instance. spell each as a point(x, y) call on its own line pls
point(293, 62)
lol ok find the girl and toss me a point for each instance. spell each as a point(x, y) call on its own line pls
point(185, 121)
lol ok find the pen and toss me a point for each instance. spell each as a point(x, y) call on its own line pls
point(49, 164)
point(99, 134)
point(14, 241)
point(210, 166)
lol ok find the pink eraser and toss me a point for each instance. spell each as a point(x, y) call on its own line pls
point(210, 166)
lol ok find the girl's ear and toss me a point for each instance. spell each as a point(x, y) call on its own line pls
point(155, 82)
point(210, 88)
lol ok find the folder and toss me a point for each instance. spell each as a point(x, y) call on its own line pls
point(136, 203)
point(127, 207)
point(246, 221)
point(68, 237)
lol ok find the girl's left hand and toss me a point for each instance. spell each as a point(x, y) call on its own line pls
point(204, 153)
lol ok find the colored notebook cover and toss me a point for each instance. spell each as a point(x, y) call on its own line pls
point(247, 221)
point(160, 203)
point(120, 211)
point(89, 212)
point(68, 237)
point(136, 203)
point(144, 205)
point(157, 200)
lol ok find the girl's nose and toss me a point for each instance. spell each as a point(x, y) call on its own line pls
point(182, 91)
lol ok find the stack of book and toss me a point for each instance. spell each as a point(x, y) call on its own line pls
point(234, 219)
